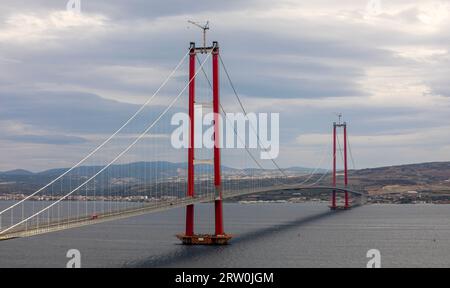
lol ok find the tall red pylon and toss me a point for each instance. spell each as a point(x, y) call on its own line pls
point(333, 197)
point(217, 168)
point(345, 155)
point(191, 149)
point(189, 237)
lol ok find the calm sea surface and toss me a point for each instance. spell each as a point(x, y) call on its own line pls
point(266, 235)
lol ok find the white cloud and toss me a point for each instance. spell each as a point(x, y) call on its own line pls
point(434, 13)
point(419, 137)
point(22, 28)
point(285, 56)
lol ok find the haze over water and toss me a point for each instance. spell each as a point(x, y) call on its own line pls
point(266, 235)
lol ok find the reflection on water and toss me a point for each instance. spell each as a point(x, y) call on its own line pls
point(266, 235)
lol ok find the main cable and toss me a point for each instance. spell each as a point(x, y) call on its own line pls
point(114, 160)
point(245, 112)
point(105, 142)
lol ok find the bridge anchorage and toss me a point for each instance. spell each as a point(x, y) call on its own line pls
point(347, 204)
point(219, 237)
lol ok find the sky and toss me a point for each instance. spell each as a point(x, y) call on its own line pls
point(68, 80)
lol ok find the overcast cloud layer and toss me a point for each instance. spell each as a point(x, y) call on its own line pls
point(68, 80)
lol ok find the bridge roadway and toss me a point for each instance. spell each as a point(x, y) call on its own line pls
point(162, 205)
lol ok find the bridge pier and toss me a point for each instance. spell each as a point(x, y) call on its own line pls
point(190, 220)
point(219, 217)
point(347, 204)
point(220, 237)
point(333, 201)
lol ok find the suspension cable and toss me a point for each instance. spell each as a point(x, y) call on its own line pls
point(340, 148)
point(309, 176)
point(320, 179)
point(245, 112)
point(235, 130)
point(106, 141)
point(350, 152)
point(114, 160)
point(324, 155)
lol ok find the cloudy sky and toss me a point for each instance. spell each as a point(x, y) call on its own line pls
point(68, 80)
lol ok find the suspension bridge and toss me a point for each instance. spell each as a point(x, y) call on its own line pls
point(104, 187)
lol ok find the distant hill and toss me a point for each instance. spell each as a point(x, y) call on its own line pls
point(425, 177)
point(23, 181)
point(18, 172)
point(141, 169)
point(304, 170)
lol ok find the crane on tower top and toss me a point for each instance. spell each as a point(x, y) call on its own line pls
point(340, 118)
point(203, 27)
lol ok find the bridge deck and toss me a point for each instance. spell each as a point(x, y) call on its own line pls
point(21, 232)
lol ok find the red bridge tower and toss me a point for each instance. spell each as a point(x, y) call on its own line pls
point(346, 195)
point(189, 237)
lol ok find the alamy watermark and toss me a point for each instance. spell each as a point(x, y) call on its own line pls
point(75, 258)
point(236, 131)
point(374, 8)
point(74, 6)
point(375, 258)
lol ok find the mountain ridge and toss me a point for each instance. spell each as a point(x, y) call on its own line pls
point(142, 164)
